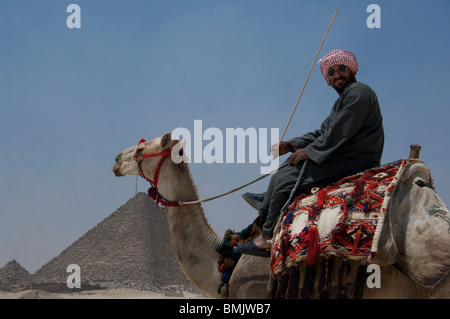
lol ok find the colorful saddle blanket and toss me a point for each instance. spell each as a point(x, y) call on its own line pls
point(344, 218)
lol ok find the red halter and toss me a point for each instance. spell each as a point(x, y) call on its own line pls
point(153, 191)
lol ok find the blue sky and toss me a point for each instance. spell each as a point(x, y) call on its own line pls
point(71, 99)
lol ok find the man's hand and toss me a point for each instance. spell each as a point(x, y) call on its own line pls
point(299, 155)
point(280, 148)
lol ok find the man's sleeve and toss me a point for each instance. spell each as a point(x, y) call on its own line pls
point(305, 140)
point(308, 138)
point(343, 127)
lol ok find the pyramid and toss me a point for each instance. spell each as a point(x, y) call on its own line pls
point(13, 277)
point(129, 249)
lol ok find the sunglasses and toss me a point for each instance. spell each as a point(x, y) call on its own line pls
point(341, 68)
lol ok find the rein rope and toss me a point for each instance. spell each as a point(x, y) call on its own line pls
point(160, 199)
point(231, 191)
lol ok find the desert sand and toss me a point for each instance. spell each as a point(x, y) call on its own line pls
point(120, 293)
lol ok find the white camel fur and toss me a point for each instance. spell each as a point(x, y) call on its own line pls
point(414, 247)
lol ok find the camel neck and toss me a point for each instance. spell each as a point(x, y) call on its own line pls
point(193, 239)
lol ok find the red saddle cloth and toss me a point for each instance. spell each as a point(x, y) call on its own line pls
point(344, 218)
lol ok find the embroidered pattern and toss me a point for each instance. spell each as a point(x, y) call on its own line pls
point(442, 214)
point(344, 218)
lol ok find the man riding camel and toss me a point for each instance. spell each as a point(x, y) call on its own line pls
point(350, 140)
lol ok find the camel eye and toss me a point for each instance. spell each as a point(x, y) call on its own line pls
point(421, 183)
point(181, 152)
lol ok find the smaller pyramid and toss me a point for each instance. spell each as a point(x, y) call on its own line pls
point(130, 248)
point(13, 277)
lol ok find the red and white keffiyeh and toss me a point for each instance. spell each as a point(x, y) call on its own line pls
point(336, 57)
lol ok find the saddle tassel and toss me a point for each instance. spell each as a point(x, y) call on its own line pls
point(294, 282)
point(273, 287)
point(325, 278)
point(313, 245)
point(344, 274)
point(308, 282)
point(360, 280)
point(356, 242)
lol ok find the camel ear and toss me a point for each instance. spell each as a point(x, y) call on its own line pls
point(166, 140)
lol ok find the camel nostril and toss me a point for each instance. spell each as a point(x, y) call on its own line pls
point(119, 157)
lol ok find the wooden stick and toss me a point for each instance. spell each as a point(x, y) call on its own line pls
point(196, 202)
point(307, 78)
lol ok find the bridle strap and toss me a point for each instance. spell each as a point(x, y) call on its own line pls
point(164, 155)
point(153, 191)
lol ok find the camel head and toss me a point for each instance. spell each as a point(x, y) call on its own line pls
point(127, 161)
point(192, 238)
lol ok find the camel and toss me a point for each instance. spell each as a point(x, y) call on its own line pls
point(413, 251)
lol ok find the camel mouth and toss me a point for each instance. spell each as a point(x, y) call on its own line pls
point(125, 168)
point(116, 170)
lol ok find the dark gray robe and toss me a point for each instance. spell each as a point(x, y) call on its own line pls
point(349, 140)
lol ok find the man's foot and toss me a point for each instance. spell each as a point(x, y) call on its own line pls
point(255, 200)
point(257, 247)
point(262, 243)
